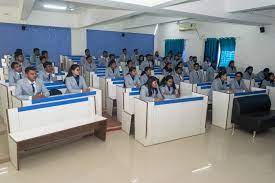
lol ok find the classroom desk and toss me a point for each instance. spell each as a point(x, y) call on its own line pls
point(230, 77)
point(153, 123)
point(93, 78)
point(2, 73)
point(222, 105)
point(271, 93)
point(111, 93)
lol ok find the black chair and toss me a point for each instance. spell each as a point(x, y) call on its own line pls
point(252, 113)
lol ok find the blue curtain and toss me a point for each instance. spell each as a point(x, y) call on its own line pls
point(211, 49)
point(175, 45)
point(228, 46)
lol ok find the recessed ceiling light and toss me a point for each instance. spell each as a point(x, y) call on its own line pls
point(55, 7)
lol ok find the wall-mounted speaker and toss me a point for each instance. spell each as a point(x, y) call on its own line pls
point(23, 27)
point(262, 29)
point(123, 35)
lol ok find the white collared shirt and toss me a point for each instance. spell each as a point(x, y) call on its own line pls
point(34, 86)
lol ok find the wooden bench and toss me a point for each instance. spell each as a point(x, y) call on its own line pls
point(42, 124)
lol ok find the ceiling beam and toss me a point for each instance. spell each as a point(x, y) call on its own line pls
point(25, 8)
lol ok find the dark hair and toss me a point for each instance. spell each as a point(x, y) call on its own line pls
point(177, 68)
point(18, 54)
point(36, 49)
point(196, 64)
point(266, 70)
point(13, 64)
point(166, 67)
point(44, 52)
point(149, 82)
point(140, 61)
point(111, 63)
point(220, 74)
point(42, 57)
point(72, 68)
point(248, 68)
point(239, 73)
point(86, 50)
point(232, 61)
point(178, 65)
point(135, 49)
point(132, 69)
point(18, 50)
point(124, 49)
point(165, 79)
point(47, 64)
point(145, 70)
point(28, 69)
point(88, 57)
point(105, 51)
point(129, 61)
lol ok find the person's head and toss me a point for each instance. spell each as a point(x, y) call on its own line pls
point(19, 57)
point(271, 76)
point(169, 81)
point(266, 70)
point(222, 75)
point(165, 59)
point(152, 82)
point(180, 64)
point(231, 63)
point(180, 54)
point(130, 63)
point(177, 57)
point(170, 54)
point(168, 66)
point(148, 57)
point(18, 50)
point(16, 67)
point(105, 54)
point(133, 71)
point(30, 73)
point(238, 76)
point(136, 51)
point(74, 70)
point(87, 52)
point(45, 53)
point(48, 67)
point(157, 54)
point(196, 66)
point(89, 59)
point(141, 58)
point(112, 64)
point(190, 58)
point(249, 70)
point(43, 59)
point(195, 59)
point(112, 57)
point(124, 51)
point(147, 71)
point(178, 70)
point(36, 51)
point(206, 60)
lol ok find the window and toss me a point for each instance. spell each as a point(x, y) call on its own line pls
point(226, 51)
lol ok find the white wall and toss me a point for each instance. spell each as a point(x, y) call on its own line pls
point(253, 48)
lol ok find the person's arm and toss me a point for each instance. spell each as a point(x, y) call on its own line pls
point(83, 83)
point(19, 91)
point(45, 91)
point(11, 79)
point(127, 82)
point(144, 97)
point(191, 78)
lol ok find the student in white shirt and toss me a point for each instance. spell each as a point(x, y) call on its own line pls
point(40, 66)
point(15, 74)
point(34, 60)
point(127, 67)
point(45, 53)
point(75, 83)
point(237, 84)
point(112, 71)
point(132, 79)
point(150, 92)
point(168, 69)
point(168, 88)
point(30, 87)
point(47, 75)
point(196, 76)
point(135, 56)
point(231, 67)
point(248, 73)
point(145, 75)
point(83, 59)
point(178, 77)
point(268, 81)
point(104, 59)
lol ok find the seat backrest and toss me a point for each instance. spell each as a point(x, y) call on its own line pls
point(251, 104)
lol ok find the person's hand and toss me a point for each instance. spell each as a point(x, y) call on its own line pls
point(158, 99)
point(177, 95)
point(39, 95)
point(86, 90)
point(137, 85)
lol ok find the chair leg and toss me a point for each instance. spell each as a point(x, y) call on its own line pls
point(233, 129)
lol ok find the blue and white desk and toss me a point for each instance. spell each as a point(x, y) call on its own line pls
point(271, 93)
point(111, 92)
point(222, 105)
point(153, 123)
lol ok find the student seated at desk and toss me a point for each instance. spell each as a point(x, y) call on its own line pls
point(34, 60)
point(168, 69)
point(47, 75)
point(196, 76)
point(184, 72)
point(237, 84)
point(83, 59)
point(268, 81)
point(124, 56)
point(190, 64)
point(231, 67)
point(104, 59)
point(263, 74)
point(210, 73)
point(164, 62)
point(140, 60)
point(15, 74)
point(219, 84)
point(150, 92)
point(145, 75)
point(45, 53)
point(168, 88)
point(178, 77)
point(30, 87)
point(248, 73)
point(75, 83)
point(112, 71)
point(157, 57)
point(146, 63)
point(206, 64)
point(40, 66)
point(135, 57)
point(129, 64)
point(19, 57)
point(89, 65)
point(131, 79)
point(176, 61)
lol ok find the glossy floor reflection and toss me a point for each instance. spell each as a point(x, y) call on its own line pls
point(215, 157)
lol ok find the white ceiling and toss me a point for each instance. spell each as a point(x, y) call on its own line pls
point(9, 3)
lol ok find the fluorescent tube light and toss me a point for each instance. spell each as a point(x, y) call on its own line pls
point(55, 7)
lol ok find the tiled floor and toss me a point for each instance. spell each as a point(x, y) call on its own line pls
point(216, 157)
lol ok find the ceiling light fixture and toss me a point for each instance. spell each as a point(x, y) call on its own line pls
point(54, 7)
